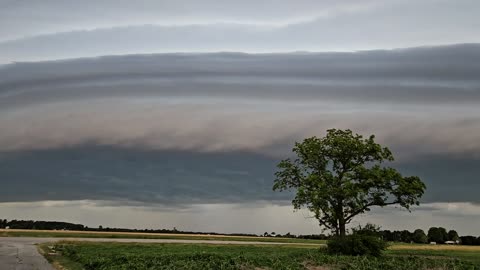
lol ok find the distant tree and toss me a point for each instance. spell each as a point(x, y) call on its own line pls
point(419, 237)
point(100, 227)
point(452, 235)
point(266, 234)
point(468, 240)
point(387, 235)
point(406, 236)
point(444, 233)
point(340, 176)
point(314, 236)
point(397, 236)
point(436, 235)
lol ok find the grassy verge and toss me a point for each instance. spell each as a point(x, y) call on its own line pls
point(106, 256)
point(464, 253)
point(83, 234)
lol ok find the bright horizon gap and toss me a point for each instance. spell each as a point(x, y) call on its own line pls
point(246, 52)
point(94, 213)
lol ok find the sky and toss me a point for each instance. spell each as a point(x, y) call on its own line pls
point(162, 114)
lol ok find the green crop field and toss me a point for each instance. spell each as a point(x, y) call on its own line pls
point(106, 256)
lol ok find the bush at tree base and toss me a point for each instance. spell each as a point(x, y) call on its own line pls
point(357, 245)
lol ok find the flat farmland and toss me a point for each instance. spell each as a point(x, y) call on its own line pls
point(106, 256)
point(139, 235)
point(466, 253)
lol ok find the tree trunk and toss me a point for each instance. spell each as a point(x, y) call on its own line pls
point(342, 227)
point(341, 220)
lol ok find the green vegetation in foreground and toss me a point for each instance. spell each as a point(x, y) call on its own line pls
point(463, 255)
point(64, 234)
point(109, 256)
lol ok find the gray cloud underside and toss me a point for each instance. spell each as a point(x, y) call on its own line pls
point(423, 75)
point(181, 178)
point(194, 128)
point(172, 101)
point(329, 26)
point(130, 175)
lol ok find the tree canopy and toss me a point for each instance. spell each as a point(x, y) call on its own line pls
point(453, 235)
point(341, 175)
point(437, 235)
point(419, 237)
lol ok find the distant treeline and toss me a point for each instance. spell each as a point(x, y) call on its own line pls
point(56, 225)
point(438, 235)
point(40, 225)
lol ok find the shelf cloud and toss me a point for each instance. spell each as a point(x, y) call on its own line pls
point(183, 108)
point(205, 128)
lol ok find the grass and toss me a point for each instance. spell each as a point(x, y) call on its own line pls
point(135, 256)
point(464, 253)
point(86, 234)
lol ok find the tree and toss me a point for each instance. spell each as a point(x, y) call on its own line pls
point(406, 236)
point(340, 176)
point(453, 236)
point(419, 237)
point(436, 235)
point(444, 234)
point(387, 235)
point(469, 240)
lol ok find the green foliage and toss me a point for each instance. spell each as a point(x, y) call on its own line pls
point(364, 240)
point(119, 256)
point(341, 175)
point(369, 229)
point(452, 235)
point(438, 235)
point(419, 237)
point(444, 233)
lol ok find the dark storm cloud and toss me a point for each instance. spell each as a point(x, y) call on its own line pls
point(176, 178)
point(449, 178)
point(171, 101)
point(130, 176)
point(422, 75)
point(201, 128)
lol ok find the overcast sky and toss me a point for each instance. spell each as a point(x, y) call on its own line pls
point(59, 29)
point(178, 111)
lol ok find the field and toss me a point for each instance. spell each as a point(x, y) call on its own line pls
point(87, 234)
point(106, 256)
point(464, 253)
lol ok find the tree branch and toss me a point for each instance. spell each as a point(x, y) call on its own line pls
point(365, 207)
